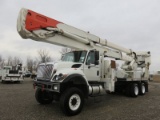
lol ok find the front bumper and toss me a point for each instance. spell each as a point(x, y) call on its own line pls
point(13, 79)
point(49, 86)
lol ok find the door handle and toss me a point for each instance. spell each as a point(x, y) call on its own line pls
point(97, 72)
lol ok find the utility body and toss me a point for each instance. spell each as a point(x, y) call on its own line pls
point(86, 71)
point(11, 73)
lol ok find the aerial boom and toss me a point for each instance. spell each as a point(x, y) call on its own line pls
point(41, 28)
point(29, 24)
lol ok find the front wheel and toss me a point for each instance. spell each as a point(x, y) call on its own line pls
point(43, 97)
point(72, 101)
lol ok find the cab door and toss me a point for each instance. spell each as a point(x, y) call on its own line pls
point(92, 67)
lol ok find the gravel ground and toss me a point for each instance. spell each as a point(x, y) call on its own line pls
point(17, 102)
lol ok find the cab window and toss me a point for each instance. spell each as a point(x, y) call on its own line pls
point(90, 58)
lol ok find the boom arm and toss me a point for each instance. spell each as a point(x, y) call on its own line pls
point(41, 28)
point(30, 22)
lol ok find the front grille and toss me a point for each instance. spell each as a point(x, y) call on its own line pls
point(44, 72)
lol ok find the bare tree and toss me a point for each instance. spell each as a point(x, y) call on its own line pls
point(44, 56)
point(29, 64)
point(1, 62)
point(16, 61)
point(13, 61)
point(9, 61)
point(0, 58)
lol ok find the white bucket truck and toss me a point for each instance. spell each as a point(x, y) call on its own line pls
point(86, 71)
point(11, 73)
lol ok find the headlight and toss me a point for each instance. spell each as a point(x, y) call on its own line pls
point(55, 87)
point(60, 77)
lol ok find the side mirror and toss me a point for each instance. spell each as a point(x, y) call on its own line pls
point(96, 57)
point(91, 65)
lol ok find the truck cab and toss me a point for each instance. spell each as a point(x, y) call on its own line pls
point(75, 63)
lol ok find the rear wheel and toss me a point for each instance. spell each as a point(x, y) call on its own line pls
point(43, 97)
point(134, 90)
point(72, 101)
point(142, 89)
point(127, 90)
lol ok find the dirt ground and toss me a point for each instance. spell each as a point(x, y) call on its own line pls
point(17, 102)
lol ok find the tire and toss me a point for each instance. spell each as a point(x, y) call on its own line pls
point(18, 82)
point(72, 101)
point(43, 97)
point(127, 90)
point(134, 90)
point(142, 89)
point(108, 92)
point(146, 86)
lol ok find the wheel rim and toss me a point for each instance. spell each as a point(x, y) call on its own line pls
point(136, 90)
point(74, 102)
point(143, 89)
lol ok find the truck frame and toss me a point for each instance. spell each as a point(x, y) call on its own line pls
point(86, 71)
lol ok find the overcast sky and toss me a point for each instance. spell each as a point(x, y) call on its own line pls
point(132, 24)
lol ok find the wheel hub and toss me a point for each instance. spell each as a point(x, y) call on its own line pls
point(74, 102)
point(136, 90)
point(143, 89)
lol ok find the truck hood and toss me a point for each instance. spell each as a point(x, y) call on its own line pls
point(61, 65)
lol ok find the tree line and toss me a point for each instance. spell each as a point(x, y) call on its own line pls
point(31, 63)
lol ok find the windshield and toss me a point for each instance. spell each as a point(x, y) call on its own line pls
point(75, 56)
